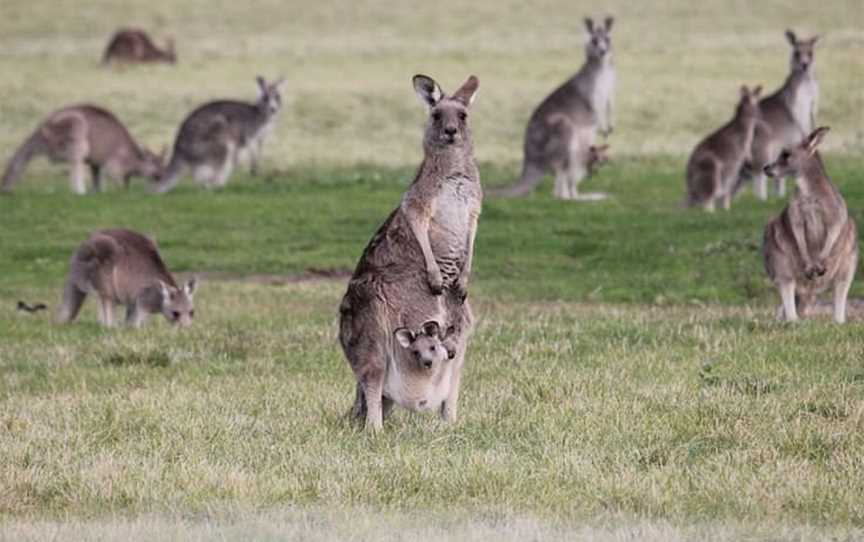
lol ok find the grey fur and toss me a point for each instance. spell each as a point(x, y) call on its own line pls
point(133, 45)
point(813, 244)
point(417, 267)
point(85, 135)
point(565, 124)
point(714, 165)
point(124, 268)
point(787, 116)
point(213, 135)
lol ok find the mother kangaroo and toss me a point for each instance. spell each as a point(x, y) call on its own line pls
point(415, 270)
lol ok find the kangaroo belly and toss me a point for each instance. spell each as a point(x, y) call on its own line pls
point(449, 228)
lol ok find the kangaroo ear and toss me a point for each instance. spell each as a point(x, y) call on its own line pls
point(815, 138)
point(427, 89)
point(262, 85)
point(190, 286)
point(468, 91)
point(404, 336)
point(164, 291)
point(431, 329)
point(745, 92)
point(790, 37)
point(608, 22)
point(757, 91)
point(813, 40)
point(589, 25)
point(278, 83)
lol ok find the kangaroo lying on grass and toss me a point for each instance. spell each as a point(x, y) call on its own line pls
point(813, 244)
point(124, 267)
point(417, 266)
point(564, 126)
point(85, 135)
point(715, 164)
point(134, 45)
point(787, 116)
point(213, 135)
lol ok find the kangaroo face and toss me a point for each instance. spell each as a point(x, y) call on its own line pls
point(597, 156)
point(268, 95)
point(599, 38)
point(152, 164)
point(791, 161)
point(177, 306)
point(448, 115)
point(426, 349)
point(802, 52)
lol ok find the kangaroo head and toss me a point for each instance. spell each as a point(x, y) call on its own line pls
point(177, 305)
point(597, 156)
point(152, 165)
point(791, 161)
point(599, 38)
point(269, 99)
point(748, 105)
point(448, 115)
point(426, 346)
point(802, 52)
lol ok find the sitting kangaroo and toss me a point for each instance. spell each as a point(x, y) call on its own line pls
point(813, 244)
point(787, 116)
point(132, 45)
point(564, 126)
point(85, 135)
point(417, 266)
point(714, 165)
point(124, 267)
point(213, 135)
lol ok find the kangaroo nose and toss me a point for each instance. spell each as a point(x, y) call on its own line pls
point(450, 130)
point(427, 363)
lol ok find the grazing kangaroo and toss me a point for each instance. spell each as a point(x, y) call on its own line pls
point(813, 244)
point(124, 267)
point(132, 45)
point(85, 135)
point(714, 165)
point(417, 266)
point(787, 116)
point(213, 135)
point(564, 126)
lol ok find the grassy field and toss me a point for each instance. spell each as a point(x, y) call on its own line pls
point(627, 379)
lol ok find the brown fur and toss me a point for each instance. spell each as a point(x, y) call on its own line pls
point(417, 266)
point(85, 135)
point(813, 244)
point(133, 45)
point(124, 268)
point(714, 165)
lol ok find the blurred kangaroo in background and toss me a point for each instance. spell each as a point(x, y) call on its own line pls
point(213, 135)
point(564, 126)
point(787, 116)
point(813, 244)
point(597, 156)
point(85, 135)
point(417, 266)
point(715, 164)
point(124, 268)
point(132, 45)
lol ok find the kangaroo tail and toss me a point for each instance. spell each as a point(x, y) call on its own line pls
point(99, 249)
point(30, 148)
point(528, 181)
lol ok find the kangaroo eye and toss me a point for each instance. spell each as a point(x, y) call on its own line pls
point(463, 115)
point(175, 315)
point(436, 116)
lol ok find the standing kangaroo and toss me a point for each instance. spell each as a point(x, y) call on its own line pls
point(714, 165)
point(85, 135)
point(787, 116)
point(124, 267)
point(564, 126)
point(212, 136)
point(417, 266)
point(134, 45)
point(813, 244)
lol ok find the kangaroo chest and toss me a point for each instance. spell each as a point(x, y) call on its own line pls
point(449, 229)
point(604, 87)
point(814, 222)
point(802, 99)
point(417, 391)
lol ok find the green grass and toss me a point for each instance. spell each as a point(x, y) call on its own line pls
point(627, 378)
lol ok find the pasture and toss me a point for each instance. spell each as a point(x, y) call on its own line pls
point(627, 377)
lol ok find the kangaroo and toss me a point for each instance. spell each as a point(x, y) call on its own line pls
point(714, 165)
point(213, 135)
point(85, 135)
point(417, 266)
point(813, 244)
point(597, 156)
point(132, 45)
point(124, 268)
point(565, 124)
point(787, 116)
